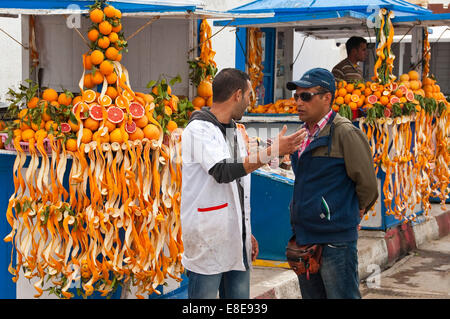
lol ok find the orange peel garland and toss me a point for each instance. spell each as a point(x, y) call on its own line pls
point(254, 60)
point(118, 219)
point(415, 164)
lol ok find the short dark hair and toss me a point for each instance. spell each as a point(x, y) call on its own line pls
point(354, 43)
point(227, 82)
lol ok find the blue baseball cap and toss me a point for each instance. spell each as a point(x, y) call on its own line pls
point(315, 77)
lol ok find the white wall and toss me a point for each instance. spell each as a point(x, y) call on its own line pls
point(315, 53)
point(11, 55)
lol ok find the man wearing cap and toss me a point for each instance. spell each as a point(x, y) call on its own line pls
point(335, 184)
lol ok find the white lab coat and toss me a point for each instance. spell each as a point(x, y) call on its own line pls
point(211, 217)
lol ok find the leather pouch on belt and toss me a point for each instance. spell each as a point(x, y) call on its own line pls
point(304, 259)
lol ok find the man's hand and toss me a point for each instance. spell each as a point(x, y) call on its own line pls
point(255, 248)
point(283, 145)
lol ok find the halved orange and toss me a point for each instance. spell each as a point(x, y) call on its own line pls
point(89, 96)
point(122, 102)
point(105, 100)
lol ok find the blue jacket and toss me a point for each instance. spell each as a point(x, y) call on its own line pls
point(334, 179)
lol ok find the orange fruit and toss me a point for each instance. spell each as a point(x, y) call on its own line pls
point(97, 78)
point(50, 95)
point(399, 93)
point(110, 11)
point(117, 136)
point(199, 102)
point(88, 82)
point(377, 94)
point(374, 87)
point(113, 37)
point(89, 96)
point(40, 134)
point(103, 42)
point(106, 68)
point(413, 75)
point(96, 15)
point(335, 107)
point(404, 78)
point(350, 87)
point(384, 100)
point(141, 122)
point(93, 35)
point(33, 102)
point(51, 124)
point(171, 125)
point(119, 57)
point(209, 102)
point(37, 127)
point(105, 28)
point(64, 99)
point(121, 102)
point(168, 110)
point(204, 89)
point(111, 53)
point(87, 136)
point(357, 92)
point(353, 105)
point(117, 28)
point(71, 145)
point(367, 91)
point(347, 98)
point(74, 127)
point(354, 98)
point(415, 85)
point(45, 116)
point(118, 13)
point(151, 132)
point(110, 125)
point(97, 57)
point(111, 78)
point(91, 124)
point(137, 135)
point(87, 63)
point(339, 100)
point(342, 92)
point(105, 101)
point(27, 134)
point(111, 92)
point(361, 86)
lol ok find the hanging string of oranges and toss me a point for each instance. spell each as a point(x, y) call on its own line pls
point(116, 218)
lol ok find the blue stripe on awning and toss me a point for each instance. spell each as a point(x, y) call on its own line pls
point(425, 17)
point(283, 18)
point(280, 6)
point(64, 4)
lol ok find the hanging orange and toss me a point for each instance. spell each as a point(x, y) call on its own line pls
point(103, 42)
point(111, 53)
point(110, 11)
point(106, 67)
point(96, 15)
point(204, 89)
point(93, 35)
point(97, 57)
point(105, 28)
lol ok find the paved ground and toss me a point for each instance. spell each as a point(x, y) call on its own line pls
point(423, 274)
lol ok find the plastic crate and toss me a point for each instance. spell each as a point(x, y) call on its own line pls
point(24, 145)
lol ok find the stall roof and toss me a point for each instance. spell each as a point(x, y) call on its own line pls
point(326, 18)
point(128, 8)
point(291, 6)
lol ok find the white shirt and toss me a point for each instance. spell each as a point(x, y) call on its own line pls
point(211, 214)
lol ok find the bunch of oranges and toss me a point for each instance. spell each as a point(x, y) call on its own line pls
point(204, 95)
point(108, 45)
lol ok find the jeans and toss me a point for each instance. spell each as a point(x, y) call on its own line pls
point(338, 275)
point(231, 285)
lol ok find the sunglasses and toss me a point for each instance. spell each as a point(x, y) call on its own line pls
point(306, 96)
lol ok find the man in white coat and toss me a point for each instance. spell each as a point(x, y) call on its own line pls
point(215, 197)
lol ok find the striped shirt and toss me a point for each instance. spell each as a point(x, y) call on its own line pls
point(312, 134)
point(347, 71)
